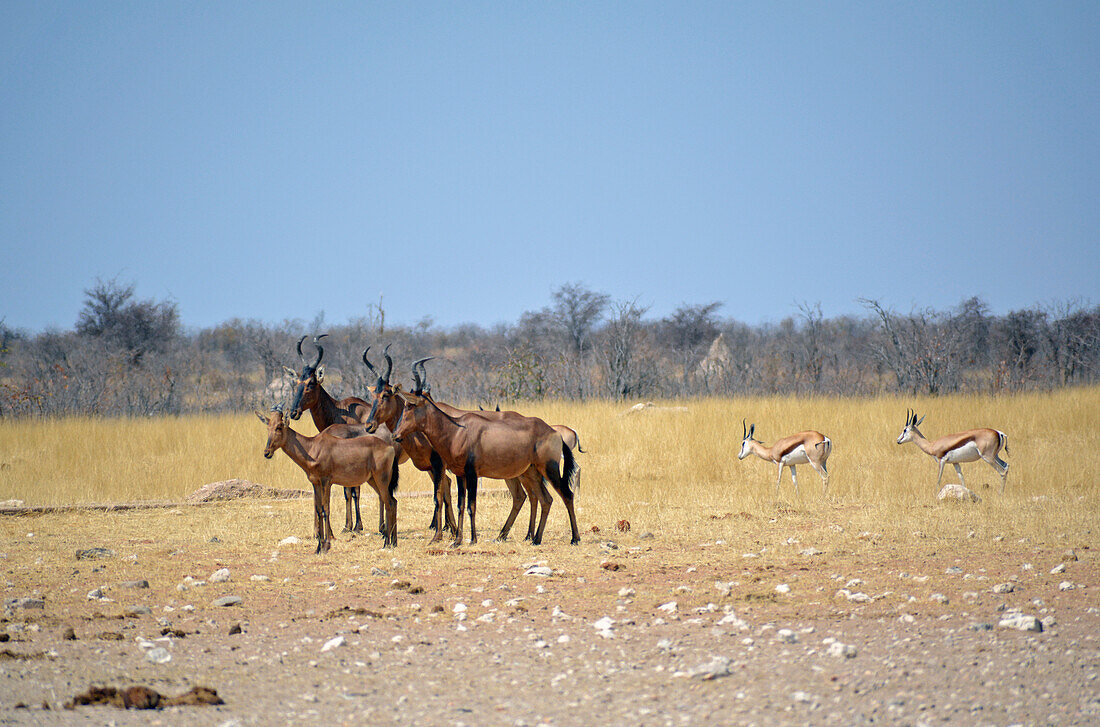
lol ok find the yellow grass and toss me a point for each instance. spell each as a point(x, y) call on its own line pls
point(664, 471)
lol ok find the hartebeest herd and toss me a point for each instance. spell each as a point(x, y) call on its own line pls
point(364, 440)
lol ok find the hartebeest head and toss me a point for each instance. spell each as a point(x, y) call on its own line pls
point(307, 383)
point(276, 430)
point(911, 424)
point(746, 440)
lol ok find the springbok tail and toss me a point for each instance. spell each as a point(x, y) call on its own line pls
point(569, 471)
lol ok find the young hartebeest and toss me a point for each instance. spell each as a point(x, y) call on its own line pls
point(473, 446)
point(968, 446)
point(309, 394)
point(809, 447)
point(329, 460)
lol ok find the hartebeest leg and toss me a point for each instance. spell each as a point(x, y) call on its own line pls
point(515, 489)
point(460, 482)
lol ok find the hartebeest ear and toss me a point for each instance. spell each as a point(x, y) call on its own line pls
point(260, 416)
point(320, 373)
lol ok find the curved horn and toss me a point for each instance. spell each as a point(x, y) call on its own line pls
point(389, 363)
point(368, 363)
point(320, 349)
point(300, 349)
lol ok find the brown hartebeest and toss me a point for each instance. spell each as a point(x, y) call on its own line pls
point(528, 485)
point(308, 393)
point(329, 460)
point(809, 447)
point(473, 446)
point(968, 446)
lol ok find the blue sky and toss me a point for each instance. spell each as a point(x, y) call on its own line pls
point(273, 160)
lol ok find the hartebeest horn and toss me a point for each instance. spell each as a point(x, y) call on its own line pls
point(389, 363)
point(320, 349)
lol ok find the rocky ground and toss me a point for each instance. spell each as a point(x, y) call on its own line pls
point(629, 629)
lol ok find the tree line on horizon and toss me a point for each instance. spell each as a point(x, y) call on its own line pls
point(131, 357)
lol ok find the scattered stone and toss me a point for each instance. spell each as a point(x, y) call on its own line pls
point(227, 601)
point(839, 650)
point(94, 553)
point(1021, 622)
point(716, 668)
point(1004, 588)
point(334, 643)
point(158, 655)
point(220, 576)
point(958, 493)
point(1060, 568)
point(28, 603)
point(538, 570)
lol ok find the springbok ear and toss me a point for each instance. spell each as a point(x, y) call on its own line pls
point(260, 416)
point(290, 372)
point(320, 373)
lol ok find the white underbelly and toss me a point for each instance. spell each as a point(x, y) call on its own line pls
point(796, 456)
point(966, 453)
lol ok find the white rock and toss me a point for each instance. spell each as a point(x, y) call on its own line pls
point(1021, 622)
point(958, 492)
point(220, 576)
point(158, 655)
point(334, 643)
point(290, 540)
point(838, 649)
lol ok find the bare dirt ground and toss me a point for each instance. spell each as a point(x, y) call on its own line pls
point(797, 622)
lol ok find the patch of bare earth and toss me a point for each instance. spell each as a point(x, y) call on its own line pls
point(627, 628)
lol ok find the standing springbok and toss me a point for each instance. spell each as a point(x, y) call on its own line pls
point(329, 460)
point(968, 446)
point(473, 446)
point(309, 394)
point(809, 447)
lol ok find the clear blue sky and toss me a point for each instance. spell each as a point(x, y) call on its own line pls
point(272, 160)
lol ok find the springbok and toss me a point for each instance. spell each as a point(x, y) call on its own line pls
point(968, 446)
point(308, 393)
point(472, 446)
point(329, 460)
point(809, 447)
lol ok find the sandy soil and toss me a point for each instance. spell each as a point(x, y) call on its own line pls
point(433, 635)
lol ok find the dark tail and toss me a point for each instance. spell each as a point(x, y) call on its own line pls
point(394, 474)
point(569, 471)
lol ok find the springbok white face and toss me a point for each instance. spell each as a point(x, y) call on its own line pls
point(746, 447)
point(911, 423)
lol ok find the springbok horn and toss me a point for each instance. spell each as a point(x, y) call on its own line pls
point(320, 349)
point(300, 349)
point(389, 362)
point(368, 363)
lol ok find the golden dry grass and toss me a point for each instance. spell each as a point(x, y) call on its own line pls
point(664, 471)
